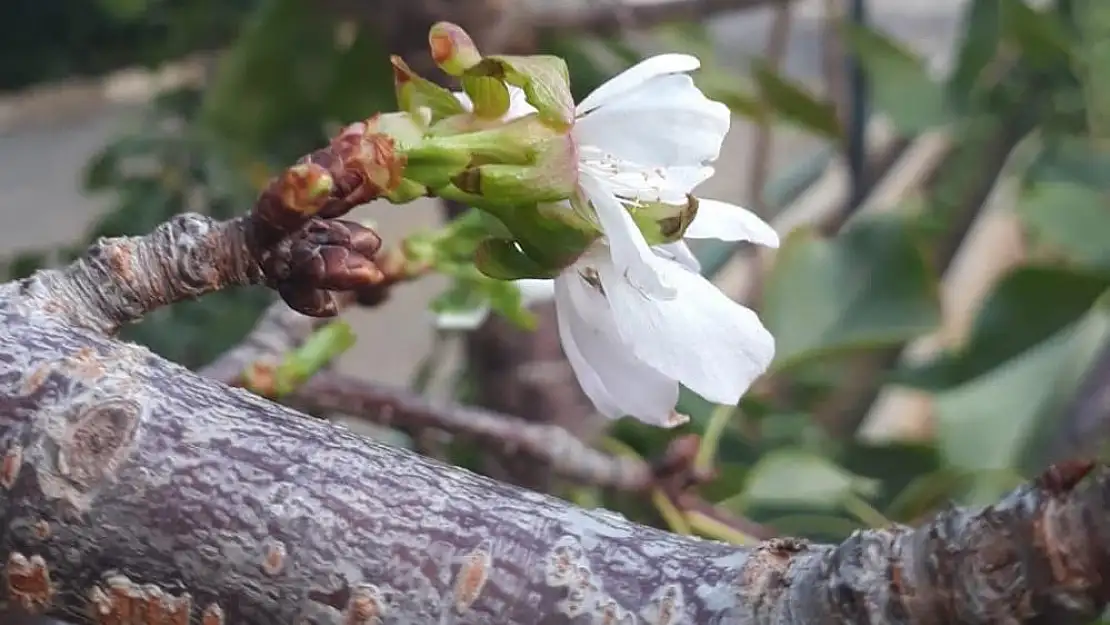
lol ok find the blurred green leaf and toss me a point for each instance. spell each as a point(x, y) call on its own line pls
point(1071, 158)
point(1093, 19)
point(321, 348)
point(997, 420)
point(900, 83)
point(1072, 219)
point(267, 97)
point(869, 286)
point(590, 60)
point(1038, 34)
point(894, 464)
point(926, 493)
point(799, 479)
point(23, 264)
point(790, 101)
point(127, 9)
point(1026, 307)
point(978, 46)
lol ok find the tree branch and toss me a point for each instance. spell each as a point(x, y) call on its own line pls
point(130, 482)
point(281, 330)
point(548, 444)
point(291, 241)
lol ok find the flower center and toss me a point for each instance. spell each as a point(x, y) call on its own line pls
point(630, 182)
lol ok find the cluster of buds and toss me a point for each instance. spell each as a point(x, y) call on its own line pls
point(518, 167)
point(515, 168)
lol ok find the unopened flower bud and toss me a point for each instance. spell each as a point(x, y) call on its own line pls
point(502, 259)
point(550, 176)
point(416, 94)
point(541, 235)
point(304, 188)
point(488, 95)
point(406, 191)
point(452, 49)
point(544, 79)
point(371, 155)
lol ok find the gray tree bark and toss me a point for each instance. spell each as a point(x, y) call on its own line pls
point(133, 491)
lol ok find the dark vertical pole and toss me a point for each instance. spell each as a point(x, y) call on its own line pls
point(857, 113)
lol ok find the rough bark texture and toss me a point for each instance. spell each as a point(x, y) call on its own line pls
point(134, 491)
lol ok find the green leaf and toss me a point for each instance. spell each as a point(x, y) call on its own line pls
point(23, 264)
point(997, 420)
point(503, 259)
point(900, 84)
point(322, 347)
point(738, 100)
point(590, 59)
point(791, 101)
point(978, 47)
point(1026, 307)
point(272, 79)
point(488, 95)
point(1040, 35)
point(926, 493)
point(544, 79)
point(799, 479)
point(1070, 158)
point(415, 91)
point(1072, 219)
point(868, 287)
point(1093, 18)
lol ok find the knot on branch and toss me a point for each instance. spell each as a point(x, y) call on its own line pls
point(304, 251)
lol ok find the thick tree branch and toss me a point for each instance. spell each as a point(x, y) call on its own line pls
point(119, 280)
point(547, 444)
point(130, 482)
point(291, 241)
point(281, 330)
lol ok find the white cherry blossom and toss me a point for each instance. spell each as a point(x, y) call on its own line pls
point(636, 321)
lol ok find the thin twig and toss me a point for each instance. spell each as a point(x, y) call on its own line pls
point(544, 443)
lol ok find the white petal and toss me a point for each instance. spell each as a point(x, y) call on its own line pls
point(728, 222)
point(664, 122)
point(703, 339)
point(630, 251)
point(461, 320)
point(615, 381)
point(636, 75)
point(533, 291)
point(679, 252)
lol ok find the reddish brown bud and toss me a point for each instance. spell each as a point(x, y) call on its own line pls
point(308, 301)
point(452, 48)
point(304, 188)
point(370, 157)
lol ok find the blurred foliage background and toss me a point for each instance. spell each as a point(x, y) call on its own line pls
point(939, 341)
